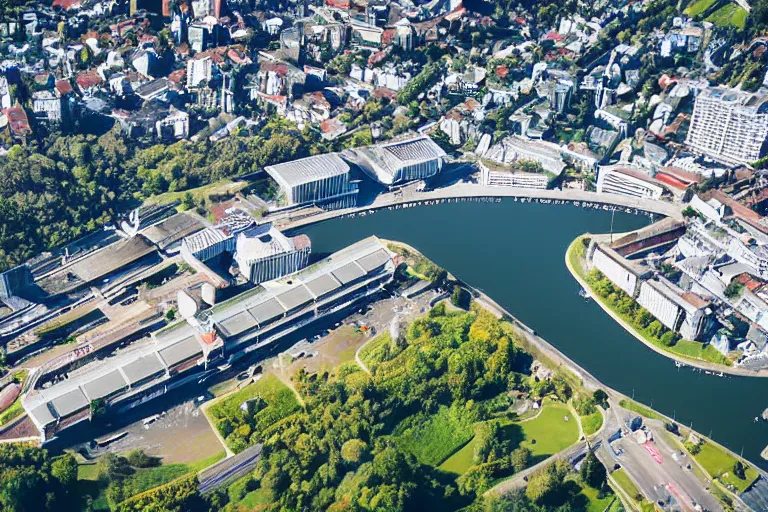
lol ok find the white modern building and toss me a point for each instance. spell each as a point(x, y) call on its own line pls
point(679, 311)
point(200, 71)
point(263, 253)
point(516, 149)
point(627, 182)
point(399, 161)
point(321, 179)
point(620, 271)
point(184, 352)
point(207, 244)
point(729, 126)
point(508, 178)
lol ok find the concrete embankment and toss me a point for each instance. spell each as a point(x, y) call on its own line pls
point(410, 197)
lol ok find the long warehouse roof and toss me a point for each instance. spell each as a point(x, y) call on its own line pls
point(307, 170)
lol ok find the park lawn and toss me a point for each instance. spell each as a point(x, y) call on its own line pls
point(717, 462)
point(549, 433)
point(698, 7)
point(461, 460)
point(596, 504)
point(281, 402)
point(640, 409)
point(591, 423)
point(221, 187)
point(434, 439)
point(729, 14)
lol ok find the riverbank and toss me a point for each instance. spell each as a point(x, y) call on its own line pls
point(407, 197)
point(570, 261)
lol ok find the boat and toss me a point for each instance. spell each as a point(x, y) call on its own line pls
point(720, 374)
point(107, 440)
point(584, 294)
point(150, 420)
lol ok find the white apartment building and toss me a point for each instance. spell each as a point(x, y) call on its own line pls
point(679, 311)
point(199, 70)
point(504, 178)
point(627, 182)
point(617, 269)
point(729, 126)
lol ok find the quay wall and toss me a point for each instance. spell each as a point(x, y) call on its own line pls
point(407, 198)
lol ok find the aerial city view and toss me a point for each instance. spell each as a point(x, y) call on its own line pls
point(383, 255)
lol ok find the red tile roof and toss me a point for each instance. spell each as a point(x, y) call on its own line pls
point(63, 87)
point(18, 121)
point(88, 79)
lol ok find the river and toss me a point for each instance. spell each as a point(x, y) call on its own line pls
point(515, 253)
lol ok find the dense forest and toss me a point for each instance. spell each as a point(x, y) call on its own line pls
point(68, 186)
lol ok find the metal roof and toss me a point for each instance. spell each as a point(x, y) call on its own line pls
point(307, 170)
point(322, 285)
point(294, 298)
point(374, 260)
point(238, 323)
point(348, 272)
point(142, 368)
point(42, 415)
point(181, 351)
point(104, 385)
point(70, 402)
point(266, 311)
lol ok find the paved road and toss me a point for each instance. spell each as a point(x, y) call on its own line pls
point(668, 481)
point(229, 469)
point(470, 190)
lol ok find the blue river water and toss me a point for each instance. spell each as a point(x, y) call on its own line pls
point(515, 253)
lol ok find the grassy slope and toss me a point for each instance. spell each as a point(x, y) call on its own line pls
point(281, 402)
point(698, 7)
point(640, 409)
point(717, 462)
point(591, 423)
point(729, 15)
point(436, 439)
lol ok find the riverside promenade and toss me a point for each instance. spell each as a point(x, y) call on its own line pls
point(409, 196)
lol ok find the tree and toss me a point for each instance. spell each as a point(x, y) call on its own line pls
point(655, 328)
point(64, 469)
point(562, 388)
point(739, 470)
point(601, 398)
point(521, 459)
point(669, 338)
point(592, 471)
point(139, 459)
point(354, 451)
point(460, 297)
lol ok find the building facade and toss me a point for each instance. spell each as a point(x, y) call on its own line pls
point(263, 253)
point(321, 179)
point(729, 126)
point(397, 162)
point(627, 182)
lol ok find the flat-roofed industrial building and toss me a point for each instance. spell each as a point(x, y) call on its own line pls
point(399, 161)
point(281, 306)
point(181, 352)
point(323, 180)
